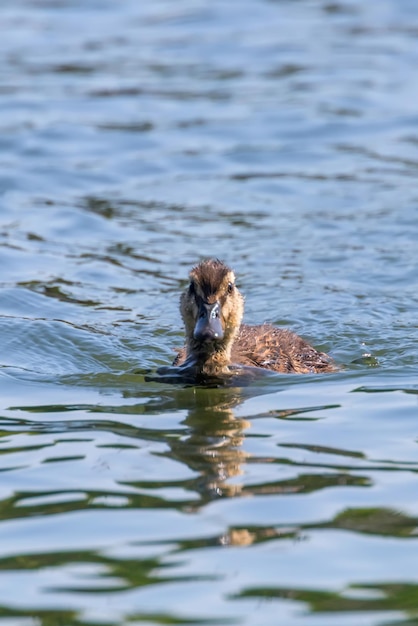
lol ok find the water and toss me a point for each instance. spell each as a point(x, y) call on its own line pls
point(137, 138)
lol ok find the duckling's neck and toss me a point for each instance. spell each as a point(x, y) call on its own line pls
point(211, 359)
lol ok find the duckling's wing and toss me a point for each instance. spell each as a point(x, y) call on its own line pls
point(279, 350)
point(180, 356)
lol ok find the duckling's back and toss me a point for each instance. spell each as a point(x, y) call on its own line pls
point(279, 350)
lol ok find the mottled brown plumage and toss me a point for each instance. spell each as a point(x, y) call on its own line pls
point(212, 309)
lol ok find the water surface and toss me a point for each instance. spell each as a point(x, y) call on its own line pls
point(136, 139)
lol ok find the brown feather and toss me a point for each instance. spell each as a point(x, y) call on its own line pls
point(209, 276)
point(263, 346)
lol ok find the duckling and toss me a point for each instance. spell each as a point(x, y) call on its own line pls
point(212, 309)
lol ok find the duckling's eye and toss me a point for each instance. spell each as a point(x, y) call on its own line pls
point(230, 287)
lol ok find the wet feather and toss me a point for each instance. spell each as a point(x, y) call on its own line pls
point(264, 346)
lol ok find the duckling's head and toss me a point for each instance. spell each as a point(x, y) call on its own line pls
point(212, 310)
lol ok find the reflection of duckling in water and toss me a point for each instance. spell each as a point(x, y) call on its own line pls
point(212, 309)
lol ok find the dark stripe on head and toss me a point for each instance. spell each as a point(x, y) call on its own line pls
point(209, 275)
